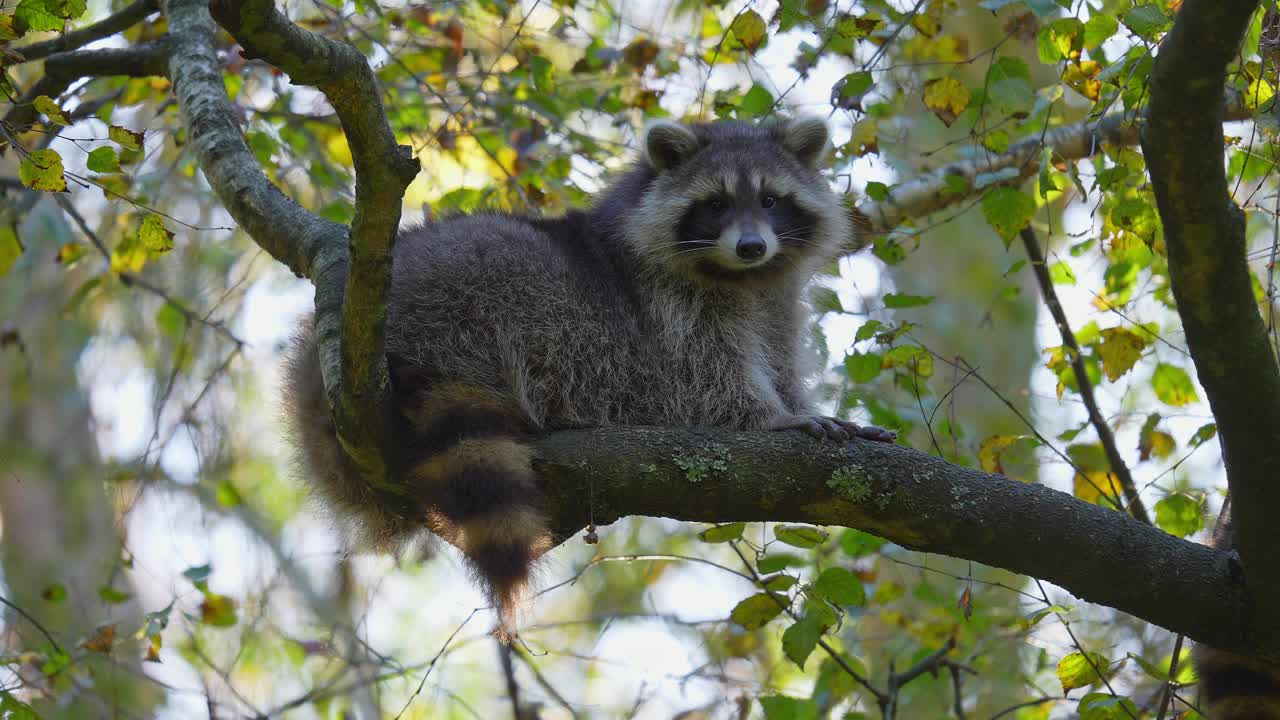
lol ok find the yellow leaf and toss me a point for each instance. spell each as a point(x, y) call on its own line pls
point(10, 247)
point(1259, 94)
point(155, 238)
point(125, 137)
point(947, 98)
point(1082, 77)
point(990, 450)
point(153, 649)
point(46, 106)
point(1095, 486)
point(42, 170)
point(1119, 351)
point(749, 29)
point(102, 640)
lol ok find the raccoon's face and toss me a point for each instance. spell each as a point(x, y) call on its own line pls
point(738, 204)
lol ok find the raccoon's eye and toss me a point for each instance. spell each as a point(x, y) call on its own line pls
point(716, 203)
point(768, 201)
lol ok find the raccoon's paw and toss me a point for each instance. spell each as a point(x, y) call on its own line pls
point(829, 428)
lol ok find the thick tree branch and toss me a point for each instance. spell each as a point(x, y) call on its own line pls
point(928, 193)
point(307, 244)
point(911, 498)
point(1100, 425)
point(359, 386)
point(106, 27)
point(1205, 233)
point(916, 500)
point(62, 69)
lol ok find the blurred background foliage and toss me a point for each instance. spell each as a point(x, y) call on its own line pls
point(160, 559)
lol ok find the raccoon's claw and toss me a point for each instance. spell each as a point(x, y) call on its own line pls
point(833, 429)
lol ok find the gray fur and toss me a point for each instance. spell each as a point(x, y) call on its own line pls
point(596, 318)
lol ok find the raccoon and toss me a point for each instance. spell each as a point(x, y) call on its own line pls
point(1233, 686)
point(675, 300)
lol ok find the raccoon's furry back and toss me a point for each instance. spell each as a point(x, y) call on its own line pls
point(675, 300)
point(367, 519)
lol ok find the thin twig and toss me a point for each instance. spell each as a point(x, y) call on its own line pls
point(35, 623)
point(1105, 436)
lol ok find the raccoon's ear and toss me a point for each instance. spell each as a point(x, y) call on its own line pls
point(806, 138)
point(668, 144)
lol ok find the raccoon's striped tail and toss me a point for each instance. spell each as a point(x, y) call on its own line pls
point(1232, 686)
point(474, 477)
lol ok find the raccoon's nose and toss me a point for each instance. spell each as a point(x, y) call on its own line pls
point(751, 246)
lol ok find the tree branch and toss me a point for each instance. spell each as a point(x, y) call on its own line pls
point(307, 244)
point(62, 69)
point(359, 384)
point(928, 193)
point(106, 27)
point(1205, 233)
point(911, 498)
point(1100, 426)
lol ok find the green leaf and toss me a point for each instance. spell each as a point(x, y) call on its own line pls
point(1146, 21)
point(112, 596)
point(1204, 434)
point(756, 611)
point(840, 587)
point(1099, 29)
point(1060, 273)
point(722, 533)
point(862, 367)
point(1060, 39)
point(1033, 618)
point(104, 160)
point(856, 543)
point(799, 640)
point(125, 137)
point(749, 29)
point(1077, 670)
point(867, 330)
point(778, 583)
point(825, 300)
point(42, 16)
point(11, 708)
point(10, 247)
point(46, 106)
point(55, 593)
point(801, 536)
point(1179, 514)
point(850, 89)
point(153, 235)
point(199, 573)
point(757, 101)
point(1105, 706)
point(1009, 87)
point(1008, 211)
point(42, 170)
point(781, 707)
point(1173, 385)
point(171, 321)
point(773, 562)
point(903, 300)
point(877, 191)
point(156, 621)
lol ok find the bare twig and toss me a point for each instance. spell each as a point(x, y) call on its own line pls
point(1100, 425)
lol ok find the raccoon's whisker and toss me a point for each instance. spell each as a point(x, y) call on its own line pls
point(690, 250)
